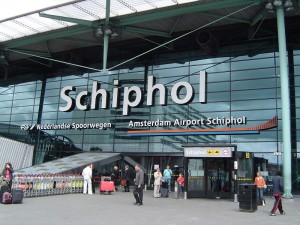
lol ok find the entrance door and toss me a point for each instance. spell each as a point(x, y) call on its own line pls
point(209, 178)
point(196, 186)
point(218, 178)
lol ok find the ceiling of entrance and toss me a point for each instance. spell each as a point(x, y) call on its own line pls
point(31, 42)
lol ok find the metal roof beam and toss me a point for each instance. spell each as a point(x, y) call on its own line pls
point(44, 9)
point(91, 23)
point(39, 53)
point(76, 40)
point(259, 16)
point(67, 19)
point(174, 25)
point(47, 36)
point(184, 10)
point(145, 31)
point(228, 18)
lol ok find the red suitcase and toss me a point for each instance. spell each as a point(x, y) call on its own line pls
point(6, 198)
point(107, 186)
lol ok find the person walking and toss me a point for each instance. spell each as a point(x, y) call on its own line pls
point(138, 185)
point(157, 182)
point(277, 193)
point(167, 176)
point(7, 173)
point(115, 176)
point(126, 178)
point(87, 179)
point(260, 183)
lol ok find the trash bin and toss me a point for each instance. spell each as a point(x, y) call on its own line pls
point(247, 197)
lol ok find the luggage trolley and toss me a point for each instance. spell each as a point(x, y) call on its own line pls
point(107, 186)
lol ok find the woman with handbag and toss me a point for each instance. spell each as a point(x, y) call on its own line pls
point(260, 183)
point(7, 174)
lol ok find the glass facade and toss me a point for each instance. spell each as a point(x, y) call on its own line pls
point(242, 81)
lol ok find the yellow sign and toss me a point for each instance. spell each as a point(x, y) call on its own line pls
point(209, 152)
point(247, 155)
point(216, 152)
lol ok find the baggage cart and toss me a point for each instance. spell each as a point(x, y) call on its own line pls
point(106, 185)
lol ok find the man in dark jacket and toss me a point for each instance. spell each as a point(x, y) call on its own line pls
point(277, 193)
point(115, 176)
point(138, 185)
point(126, 178)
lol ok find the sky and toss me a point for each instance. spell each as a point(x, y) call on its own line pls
point(11, 8)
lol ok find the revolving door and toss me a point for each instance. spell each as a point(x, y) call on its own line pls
point(209, 178)
point(214, 171)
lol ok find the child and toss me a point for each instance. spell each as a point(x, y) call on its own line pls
point(180, 181)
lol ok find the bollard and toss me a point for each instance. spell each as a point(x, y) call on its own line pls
point(145, 188)
point(235, 198)
point(176, 193)
point(185, 195)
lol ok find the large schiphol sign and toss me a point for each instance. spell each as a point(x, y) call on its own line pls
point(132, 96)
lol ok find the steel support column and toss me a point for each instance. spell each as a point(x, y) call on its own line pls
point(106, 36)
point(285, 103)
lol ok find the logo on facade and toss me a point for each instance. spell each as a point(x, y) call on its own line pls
point(132, 96)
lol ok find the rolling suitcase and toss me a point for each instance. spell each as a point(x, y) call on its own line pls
point(17, 196)
point(164, 193)
point(6, 198)
point(3, 189)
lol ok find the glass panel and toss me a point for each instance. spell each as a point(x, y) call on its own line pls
point(245, 170)
point(170, 73)
point(51, 100)
point(131, 147)
point(196, 181)
point(250, 64)
point(5, 107)
point(253, 84)
point(5, 96)
point(52, 92)
point(24, 95)
point(27, 109)
point(24, 102)
point(21, 117)
point(218, 180)
point(253, 74)
point(253, 94)
point(218, 87)
point(4, 118)
point(254, 104)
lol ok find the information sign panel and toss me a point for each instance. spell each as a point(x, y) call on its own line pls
point(202, 152)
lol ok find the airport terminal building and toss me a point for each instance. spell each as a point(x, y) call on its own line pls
point(210, 87)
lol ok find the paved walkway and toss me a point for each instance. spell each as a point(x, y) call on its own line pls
point(118, 208)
